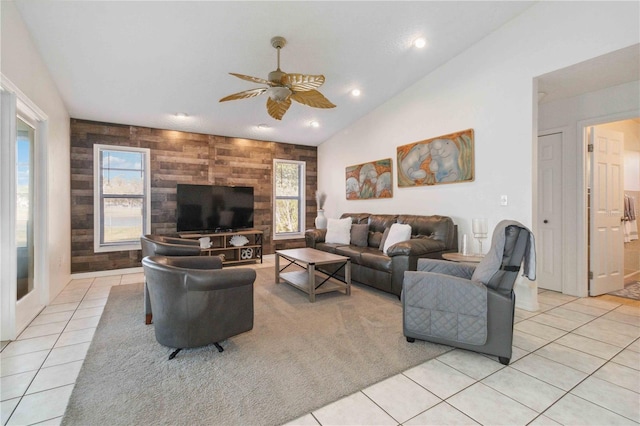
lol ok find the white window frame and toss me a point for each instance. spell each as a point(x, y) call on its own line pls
point(301, 200)
point(98, 246)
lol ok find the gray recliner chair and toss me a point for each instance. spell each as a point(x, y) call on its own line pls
point(196, 302)
point(154, 245)
point(470, 306)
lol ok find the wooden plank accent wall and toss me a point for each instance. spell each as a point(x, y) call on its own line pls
point(178, 157)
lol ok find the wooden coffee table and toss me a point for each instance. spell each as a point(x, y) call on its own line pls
point(310, 280)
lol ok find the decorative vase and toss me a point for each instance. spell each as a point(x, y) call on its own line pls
point(321, 220)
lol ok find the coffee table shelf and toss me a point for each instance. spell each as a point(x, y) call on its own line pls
point(300, 279)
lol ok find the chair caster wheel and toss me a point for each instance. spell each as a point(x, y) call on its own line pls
point(411, 339)
point(503, 360)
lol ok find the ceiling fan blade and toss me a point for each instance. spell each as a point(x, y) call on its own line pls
point(245, 95)
point(252, 79)
point(276, 109)
point(312, 98)
point(303, 82)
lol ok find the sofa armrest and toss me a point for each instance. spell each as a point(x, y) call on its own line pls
point(416, 247)
point(314, 236)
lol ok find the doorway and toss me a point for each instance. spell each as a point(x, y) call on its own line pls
point(631, 195)
point(600, 90)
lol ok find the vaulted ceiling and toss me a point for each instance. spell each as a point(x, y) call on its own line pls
point(142, 62)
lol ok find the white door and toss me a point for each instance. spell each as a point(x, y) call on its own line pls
point(606, 211)
point(549, 226)
point(21, 225)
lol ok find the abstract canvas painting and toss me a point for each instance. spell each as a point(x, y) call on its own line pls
point(369, 180)
point(445, 159)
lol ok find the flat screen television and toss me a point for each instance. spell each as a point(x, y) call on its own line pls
point(214, 208)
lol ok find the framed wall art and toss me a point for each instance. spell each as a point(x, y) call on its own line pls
point(445, 159)
point(370, 180)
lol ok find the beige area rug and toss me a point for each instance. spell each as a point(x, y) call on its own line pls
point(299, 356)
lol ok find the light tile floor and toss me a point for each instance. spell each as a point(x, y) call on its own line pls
point(575, 362)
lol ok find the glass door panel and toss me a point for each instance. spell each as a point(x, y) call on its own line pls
point(24, 207)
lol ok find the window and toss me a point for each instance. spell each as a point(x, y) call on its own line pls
point(122, 204)
point(288, 195)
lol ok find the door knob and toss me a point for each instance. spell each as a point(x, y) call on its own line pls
point(545, 221)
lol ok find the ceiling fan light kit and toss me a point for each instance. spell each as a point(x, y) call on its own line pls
point(283, 88)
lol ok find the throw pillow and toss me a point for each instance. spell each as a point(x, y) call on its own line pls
point(383, 239)
point(397, 233)
point(338, 231)
point(359, 234)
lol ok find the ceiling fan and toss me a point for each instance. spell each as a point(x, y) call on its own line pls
point(283, 88)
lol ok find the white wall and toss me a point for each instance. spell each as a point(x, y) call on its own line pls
point(489, 88)
point(22, 64)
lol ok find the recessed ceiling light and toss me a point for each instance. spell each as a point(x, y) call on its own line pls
point(355, 92)
point(181, 114)
point(314, 124)
point(420, 42)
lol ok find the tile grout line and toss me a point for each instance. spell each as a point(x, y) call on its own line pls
point(48, 354)
point(529, 353)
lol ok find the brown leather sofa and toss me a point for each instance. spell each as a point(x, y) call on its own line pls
point(431, 236)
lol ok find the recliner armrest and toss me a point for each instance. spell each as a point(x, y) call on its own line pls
point(456, 269)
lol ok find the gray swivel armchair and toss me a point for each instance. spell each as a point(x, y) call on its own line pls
point(196, 302)
point(154, 245)
point(470, 306)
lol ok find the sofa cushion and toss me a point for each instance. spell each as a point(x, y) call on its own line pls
point(375, 259)
point(383, 240)
point(329, 248)
point(352, 252)
point(357, 217)
point(397, 234)
point(338, 231)
point(439, 228)
point(377, 224)
point(359, 234)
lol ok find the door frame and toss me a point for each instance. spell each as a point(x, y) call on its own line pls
point(582, 273)
point(15, 315)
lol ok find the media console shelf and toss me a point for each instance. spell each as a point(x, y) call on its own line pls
point(220, 244)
